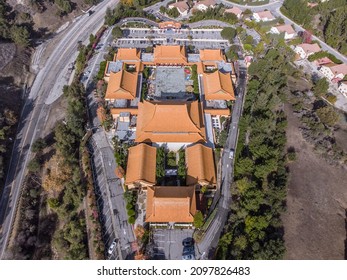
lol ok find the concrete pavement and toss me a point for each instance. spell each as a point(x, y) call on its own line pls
point(45, 89)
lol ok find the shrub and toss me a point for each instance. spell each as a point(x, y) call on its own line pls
point(131, 212)
point(34, 165)
point(131, 220)
point(331, 98)
point(53, 203)
point(198, 219)
point(39, 145)
point(291, 154)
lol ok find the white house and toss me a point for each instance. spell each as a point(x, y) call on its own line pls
point(182, 7)
point(335, 72)
point(234, 10)
point(305, 50)
point(263, 16)
point(343, 88)
point(204, 5)
point(287, 29)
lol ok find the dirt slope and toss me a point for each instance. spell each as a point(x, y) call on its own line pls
point(315, 222)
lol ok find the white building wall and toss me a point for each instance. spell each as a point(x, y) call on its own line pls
point(288, 36)
point(343, 89)
point(327, 72)
point(300, 51)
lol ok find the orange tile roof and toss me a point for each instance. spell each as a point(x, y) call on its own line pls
point(122, 85)
point(207, 54)
point(171, 204)
point(170, 122)
point(141, 164)
point(200, 165)
point(128, 54)
point(218, 86)
point(170, 55)
point(169, 24)
point(217, 111)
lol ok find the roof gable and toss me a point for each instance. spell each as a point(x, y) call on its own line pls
point(200, 165)
point(285, 28)
point(211, 55)
point(122, 85)
point(171, 204)
point(170, 54)
point(218, 86)
point(141, 164)
point(170, 122)
point(310, 48)
point(265, 14)
point(128, 54)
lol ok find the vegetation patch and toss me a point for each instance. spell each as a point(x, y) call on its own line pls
point(254, 230)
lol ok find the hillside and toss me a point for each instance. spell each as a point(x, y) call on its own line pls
point(328, 20)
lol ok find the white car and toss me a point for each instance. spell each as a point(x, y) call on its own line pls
point(231, 154)
point(113, 244)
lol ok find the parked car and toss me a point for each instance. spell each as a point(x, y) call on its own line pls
point(112, 246)
point(188, 250)
point(188, 257)
point(188, 242)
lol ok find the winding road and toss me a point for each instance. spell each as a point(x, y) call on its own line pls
point(46, 88)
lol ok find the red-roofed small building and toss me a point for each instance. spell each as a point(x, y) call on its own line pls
point(305, 50)
point(182, 7)
point(334, 72)
point(287, 29)
point(263, 16)
point(204, 5)
point(322, 61)
point(234, 10)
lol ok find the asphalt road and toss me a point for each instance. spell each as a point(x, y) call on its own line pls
point(48, 84)
point(209, 243)
point(108, 187)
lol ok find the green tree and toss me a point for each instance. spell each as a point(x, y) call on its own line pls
point(321, 87)
point(91, 2)
point(64, 5)
point(228, 33)
point(34, 165)
point(162, 9)
point(131, 220)
point(327, 115)
point(38, 145)
point(117, 32)
point(198, 219)
point(20, 35)
point(173, 12)
point(109, 17)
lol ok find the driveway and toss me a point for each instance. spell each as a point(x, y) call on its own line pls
point(167, 243)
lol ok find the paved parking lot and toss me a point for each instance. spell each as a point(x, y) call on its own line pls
point(110, 200)
point(167, 243)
